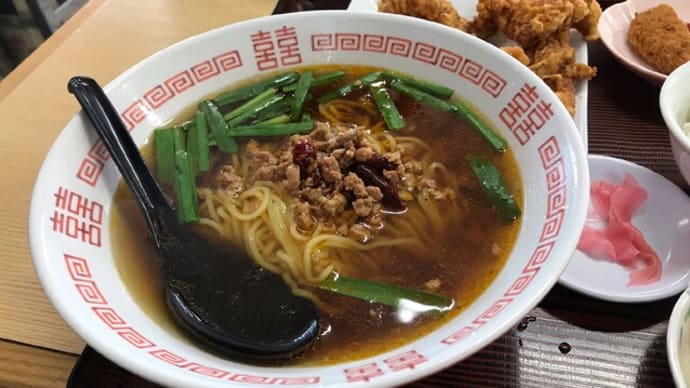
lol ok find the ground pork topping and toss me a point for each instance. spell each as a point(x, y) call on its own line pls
point(336, 178)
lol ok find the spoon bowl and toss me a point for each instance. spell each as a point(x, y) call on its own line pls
point(217, 293)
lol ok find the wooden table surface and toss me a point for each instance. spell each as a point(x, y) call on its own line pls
point(612, 345)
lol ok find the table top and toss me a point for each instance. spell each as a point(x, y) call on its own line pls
point(611, 345)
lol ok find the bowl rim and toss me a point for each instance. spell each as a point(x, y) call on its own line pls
point(580, 179)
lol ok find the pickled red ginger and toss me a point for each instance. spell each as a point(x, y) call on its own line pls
point(619, 240)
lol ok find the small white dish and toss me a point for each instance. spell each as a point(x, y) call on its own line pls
point(664, 220)
point(613, 27)
point(678, 341)
point(467, 9)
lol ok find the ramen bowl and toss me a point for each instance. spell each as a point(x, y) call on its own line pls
point(70, 231)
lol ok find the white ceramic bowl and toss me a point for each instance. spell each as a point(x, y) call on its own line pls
point(674, 102)
point(69, 229)
point(613, 27)
point(678, 340)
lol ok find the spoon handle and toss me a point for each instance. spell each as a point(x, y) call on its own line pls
point(122, 148)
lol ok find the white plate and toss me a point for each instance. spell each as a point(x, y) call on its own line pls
point(466, 8)
point(664, 220)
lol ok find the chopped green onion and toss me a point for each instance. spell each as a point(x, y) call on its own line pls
point(254, 89)
point(178, 139)
point(318, 81)
point(496, 141)
point(350, 87)
point(300, 94)
point(390, 113)
point(280, 119)
point(388, 294)
point(423, 97)
point(185, 188)
point(456, 107)
point(200, 131)
point(428, 87)
point(255, 111)
point(251, 104)
point(327, 78)
point(218, 126)
point(273, 129)
point(165, 154)
point(494, 187)
point(187, 125)
point(193, 146)
point(281, 107)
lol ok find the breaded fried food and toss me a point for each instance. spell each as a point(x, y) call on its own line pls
point(518, 53)
point(553, 60)
point(588, 25)
point(660, 38)
point(556, 56)
point(529, 22)
point(564, 88)
point(441, 11)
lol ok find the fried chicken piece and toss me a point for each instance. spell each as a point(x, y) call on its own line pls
point(564, 88)
point(588, 25)
point(579, 71)
point(556, 56)
point(660, 37)
point(530, 21)
point(441, 11)
point(552, 55)
point(554, 61)
point(518, 53)
point(483, 24)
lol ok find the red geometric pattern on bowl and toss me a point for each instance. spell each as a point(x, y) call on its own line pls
point(466, 68)
point(204, 70)
point(396, 363)
point(179, 82)
point(135, 113)
point(79, 272)
point(550, 154)
point(91, 166)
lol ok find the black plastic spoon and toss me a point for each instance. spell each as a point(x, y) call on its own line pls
point(216, 292)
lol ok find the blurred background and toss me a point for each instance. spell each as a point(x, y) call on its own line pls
point(25, 24)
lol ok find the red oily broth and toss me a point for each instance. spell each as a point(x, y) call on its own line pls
point(465, 261)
